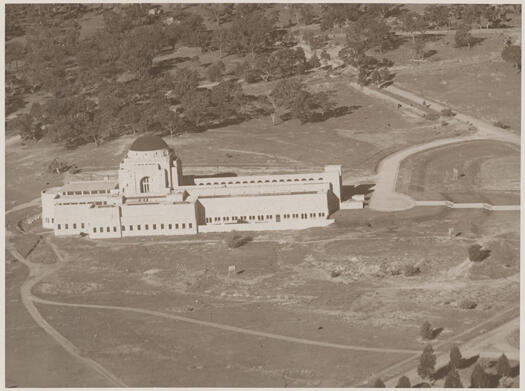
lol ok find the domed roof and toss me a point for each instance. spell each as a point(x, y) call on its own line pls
point(148, 142)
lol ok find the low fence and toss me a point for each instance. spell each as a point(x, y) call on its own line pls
point(265, 226)
point(468, 205)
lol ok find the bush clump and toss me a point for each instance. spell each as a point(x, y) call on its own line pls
point(431, 116)
point(447, 113)
point(477, 253)
point(411, 270)
point(501, 125)
point(239, 240)
point(467, 304)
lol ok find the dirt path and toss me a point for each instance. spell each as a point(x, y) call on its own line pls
point(385, 197)
point(407, 367)
point(37, 272)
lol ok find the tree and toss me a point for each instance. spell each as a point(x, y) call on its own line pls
point(311, 106)
point(437, 16)
point(403, 382)
point(195, 104)
point(413, 23)
point(338, 15)
point(184, 81)
point(427, 362)
point(453, 380)
point(426, 330)
point(419, 48)
point(478, 378)
point(250, 32)
point(14, 52)
point(283, 96)
point(463, 37)
point(281, 63)
point(503, 367)
point(455, 357)
point(304, 13)
point(215, 71)
point(227, 100)
point(512, 54)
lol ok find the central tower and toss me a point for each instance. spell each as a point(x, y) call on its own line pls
point(149, 169)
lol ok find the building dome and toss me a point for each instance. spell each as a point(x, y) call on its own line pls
point(148, 142)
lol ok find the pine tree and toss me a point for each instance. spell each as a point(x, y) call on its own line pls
point(427, 362)
point(403, 382)
point(455, 357)
point(453, 380)
point(478, 378)
point(503, 366)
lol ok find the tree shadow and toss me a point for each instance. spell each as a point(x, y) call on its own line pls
point(436, 332)
point(333, 113)
point(166, 65)
point(429, 53)
point(477, 41)
point(440, 373)
point(422, 385)
point(467, 362)
point(514, 371)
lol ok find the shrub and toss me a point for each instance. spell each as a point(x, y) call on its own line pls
point(447, 113)
point(403, 382)
point(431, 116)
point(468, 304)
point(58, 167)
point(426, 330)
point(335, 273)
point(411, 270)
point(251, 76)
point(379, 383)
point(476, 253)
point(501, 125)
point(215, 71)
point(239, 240)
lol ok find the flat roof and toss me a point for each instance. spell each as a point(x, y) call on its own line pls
point(89, 185)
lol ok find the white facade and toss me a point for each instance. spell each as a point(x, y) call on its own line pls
point(151, 197)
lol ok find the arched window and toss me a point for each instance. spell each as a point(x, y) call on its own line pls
point(144, 185)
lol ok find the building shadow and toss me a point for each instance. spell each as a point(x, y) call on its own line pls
point(348, 191)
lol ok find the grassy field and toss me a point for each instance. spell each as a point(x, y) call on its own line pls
point(285, 286)
point(487, 172)
point(476, 81)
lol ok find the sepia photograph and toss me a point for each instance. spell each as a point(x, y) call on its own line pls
point(262, 195)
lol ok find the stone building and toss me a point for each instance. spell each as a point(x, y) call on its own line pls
point(152, 197)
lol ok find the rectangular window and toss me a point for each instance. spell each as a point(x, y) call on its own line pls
point(101, 229)
point(114, 229)
point(169, 226)
point(58, 226)
point(65, 226)
point(107, 229)
point(162, 226)
point(131, 228)
point(123, 228)
point(146, 227)
point(183, 225)
point(82, 225)
point(138, 227)
point(94, 191)
point(94, 229)
point(52, 219)
point(189, 225)
point(85, 192)
point(74, 225)
point(154, 226)
point(78, 192)
point(176, 226)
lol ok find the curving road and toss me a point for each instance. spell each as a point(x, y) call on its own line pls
point(385, 197)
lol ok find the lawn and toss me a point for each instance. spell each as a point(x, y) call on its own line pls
point(486, 172)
